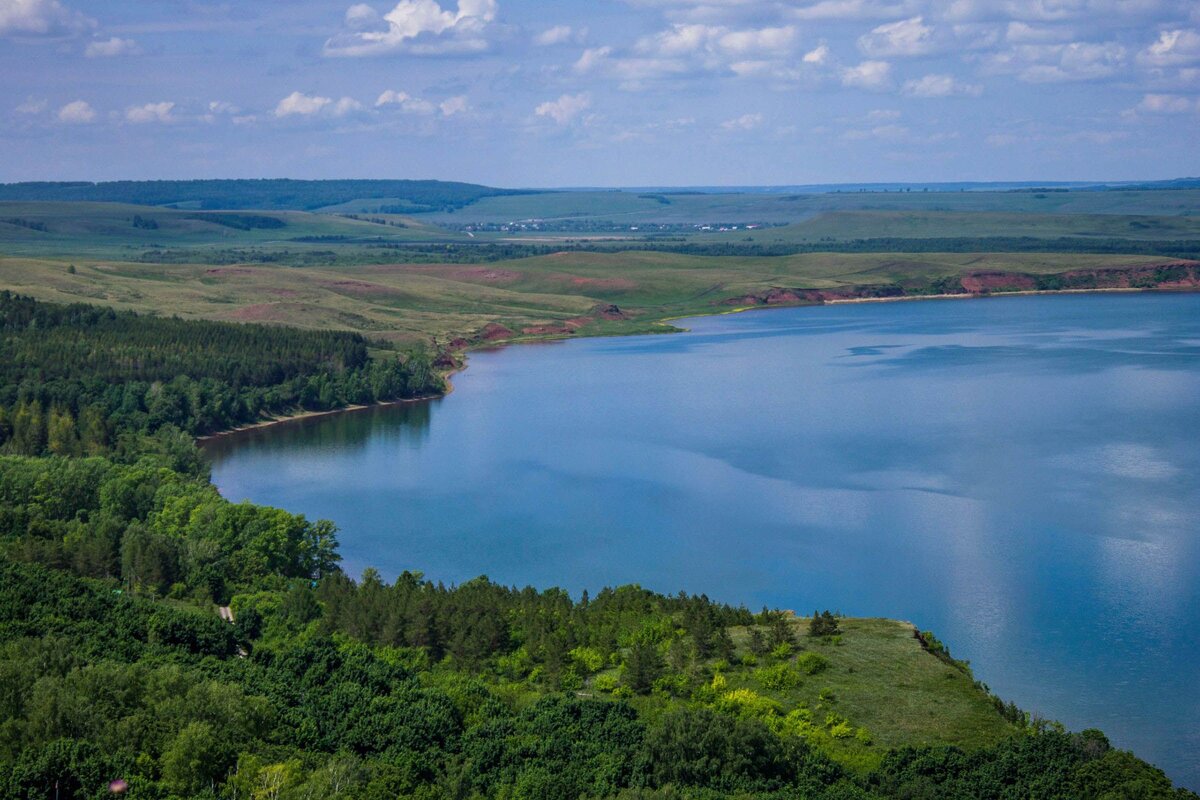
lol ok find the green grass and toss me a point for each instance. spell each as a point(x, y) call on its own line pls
point(849, 225)
point(107, 230)
point(636, 208)
point(879, 679)
point(419, 302)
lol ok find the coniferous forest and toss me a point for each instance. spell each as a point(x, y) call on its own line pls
point(118, 676)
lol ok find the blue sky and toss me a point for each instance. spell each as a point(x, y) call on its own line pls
point(602, 92)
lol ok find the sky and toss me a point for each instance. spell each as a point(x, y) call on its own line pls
point(530, 93)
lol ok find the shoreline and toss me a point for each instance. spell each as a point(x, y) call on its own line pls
point(667, 328)
point(304, 415)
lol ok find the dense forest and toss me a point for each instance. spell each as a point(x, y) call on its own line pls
point(118, 677)
point(75, 379)
point(274, 194)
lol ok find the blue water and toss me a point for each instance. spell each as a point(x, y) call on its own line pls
point(1020, 475)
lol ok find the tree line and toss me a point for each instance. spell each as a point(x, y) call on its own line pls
point(75, 379)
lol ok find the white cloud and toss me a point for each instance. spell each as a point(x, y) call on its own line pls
point(220, 108)
point(872, 75)
point(939, 86)
point(1167, 104)
point(40, 18)
point(344, 106)
point(559, 34)
point(422, 27)
point(819, 55)
point(1056, 63)
point(592, 58)
point(108, 48)
point(408, 103)
point(854, 9)
point(77, 113)
point(566, 108)
point(690, 50)
point(454, 105)
point(746, 122)
point(882, 132)
point(32, 106)
point(1024, 33)
point(150, 112)
point(908, 37)
point(1173, 48)
point(694, 39)
point(301, 104)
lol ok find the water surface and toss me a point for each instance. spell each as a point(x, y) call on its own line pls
point(1020, 475)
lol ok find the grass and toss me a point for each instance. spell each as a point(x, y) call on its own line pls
point(878, 678)
point(107, 230)
point(849, 225)
point(643, 208)
point(420, 302)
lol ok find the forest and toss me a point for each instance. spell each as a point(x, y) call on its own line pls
point(118, 676)
point(75, 379)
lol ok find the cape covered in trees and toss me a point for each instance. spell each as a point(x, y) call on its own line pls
point(117, 675)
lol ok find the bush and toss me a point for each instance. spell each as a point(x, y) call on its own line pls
point(812, 663)
point(778, 677)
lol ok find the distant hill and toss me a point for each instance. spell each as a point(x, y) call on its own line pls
point(392, 196)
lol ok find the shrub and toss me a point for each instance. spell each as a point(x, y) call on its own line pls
point(812, 663)
point(778, 677)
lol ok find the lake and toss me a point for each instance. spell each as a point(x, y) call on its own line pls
point(1020, 475)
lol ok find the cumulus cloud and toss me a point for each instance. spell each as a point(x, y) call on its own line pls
point(939, 86)
point(1173, 48)
point(344, 106)
point(421, 27)
point(38, 18)
point(854, 9)
point(109, 48)
point(559, 34)
point(746, 122)
point(405, 101)
point(871, 75)
point(150, 112)
point(1056, 63)
point(694, 49)
point(1024, 33)
point(691, 39)
point(908, 37)
point(298, 104)
point(592, 58)
point(819, 55)
point(1167, 104)
point(454, 105)
point(78, 112)
point(566, 108)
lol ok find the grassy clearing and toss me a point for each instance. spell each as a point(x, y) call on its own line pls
point(856, 695)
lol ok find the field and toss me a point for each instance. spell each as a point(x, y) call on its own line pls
point(583, 263)
point(644, 208)
point(554, 295)
point(129, 232)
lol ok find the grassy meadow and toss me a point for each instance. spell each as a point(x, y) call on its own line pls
point(533, 297)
